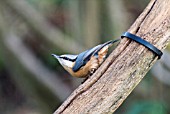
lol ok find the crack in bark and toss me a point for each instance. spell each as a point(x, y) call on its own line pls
point(146, 16)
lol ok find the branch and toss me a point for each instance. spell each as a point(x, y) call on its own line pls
point(105, 91)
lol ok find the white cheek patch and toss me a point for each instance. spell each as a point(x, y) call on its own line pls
point(69, 64)
point(66, 63)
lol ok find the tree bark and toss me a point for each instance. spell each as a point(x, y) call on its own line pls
point(105, 91)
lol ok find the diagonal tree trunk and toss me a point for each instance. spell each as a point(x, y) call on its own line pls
point(105, 91)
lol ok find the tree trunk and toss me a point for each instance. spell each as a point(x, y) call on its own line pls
point(105, 91)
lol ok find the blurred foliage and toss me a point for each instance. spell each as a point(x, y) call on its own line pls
point(33, 82)
point(147, 107)
point(1, 62)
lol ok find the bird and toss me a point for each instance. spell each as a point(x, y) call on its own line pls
point(87, 62)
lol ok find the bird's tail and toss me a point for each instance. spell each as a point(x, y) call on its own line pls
point(111, 42)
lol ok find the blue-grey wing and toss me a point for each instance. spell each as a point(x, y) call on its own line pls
point(79, 61)
point(96, 49)
point(85, 56)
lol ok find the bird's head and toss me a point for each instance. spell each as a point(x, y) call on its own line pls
point(66, 60)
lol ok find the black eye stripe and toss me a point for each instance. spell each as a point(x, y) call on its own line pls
point(66, 58)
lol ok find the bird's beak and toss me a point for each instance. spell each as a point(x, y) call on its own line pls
point(56, 56)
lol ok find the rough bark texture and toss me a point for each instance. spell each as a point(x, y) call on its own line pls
point(105, 91)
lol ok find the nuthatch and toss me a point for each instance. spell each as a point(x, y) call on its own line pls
point(87, 62)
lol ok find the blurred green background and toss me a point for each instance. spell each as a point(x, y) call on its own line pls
point(33, 82)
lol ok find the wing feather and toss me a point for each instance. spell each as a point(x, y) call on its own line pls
point(85, 56)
